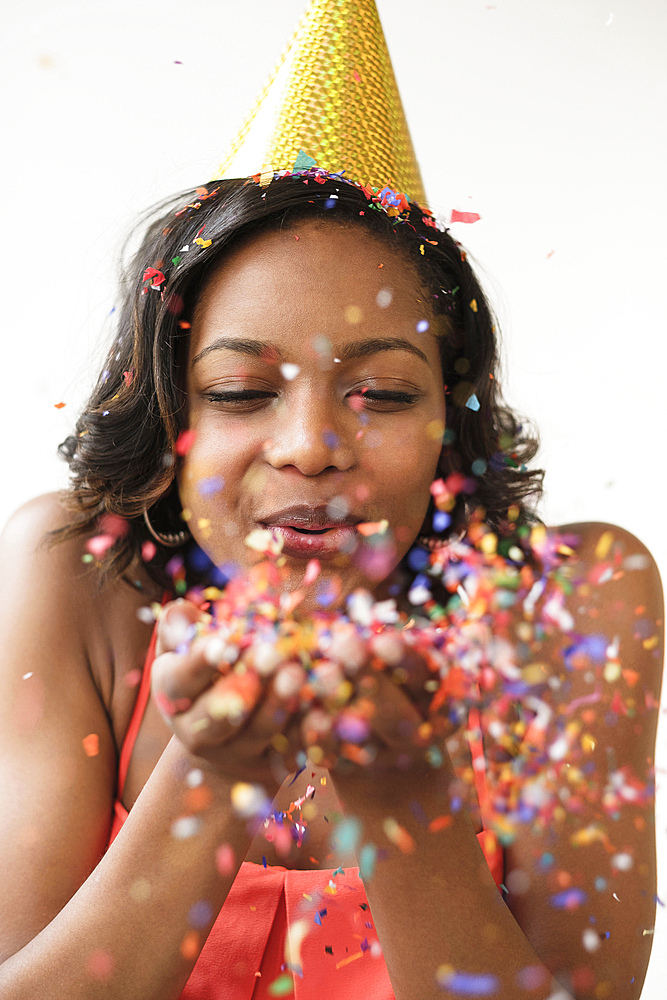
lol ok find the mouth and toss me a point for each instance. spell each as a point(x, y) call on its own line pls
point(311, 531)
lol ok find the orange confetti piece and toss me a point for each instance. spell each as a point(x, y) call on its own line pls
point(350, 958)
point(59, 406)
point(91, 744)
point(190, 945)
point(369, 528)
point(439, 823)
point(398, 835)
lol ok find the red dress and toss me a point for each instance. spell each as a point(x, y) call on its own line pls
point(335, 949)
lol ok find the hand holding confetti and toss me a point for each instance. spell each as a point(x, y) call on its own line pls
point(222, 715)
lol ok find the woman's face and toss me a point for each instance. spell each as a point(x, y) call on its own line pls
point(316, 397)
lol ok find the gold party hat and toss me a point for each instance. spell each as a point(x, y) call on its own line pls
point(332, 101)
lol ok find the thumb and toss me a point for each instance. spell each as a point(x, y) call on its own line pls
point(177, 625)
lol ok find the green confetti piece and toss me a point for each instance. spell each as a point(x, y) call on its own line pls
point(281, 986)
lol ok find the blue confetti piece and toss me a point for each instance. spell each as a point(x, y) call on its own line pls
point(330, 439)
point(208, 487)
point(317, 919)
point(264, 860)
point(367, 859)
point(200, 914)
point(422, 326)
point(441, 520)
point(303, 161)
point(472, 402)
point(470, 984)
point(569, 899)
point(418, 559)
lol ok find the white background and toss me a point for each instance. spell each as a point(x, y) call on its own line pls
point(545, 116)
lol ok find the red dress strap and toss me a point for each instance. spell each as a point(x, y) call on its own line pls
point(119, 811)
point(137, 716)
point(478, 762)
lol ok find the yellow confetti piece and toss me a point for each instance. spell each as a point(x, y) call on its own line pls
point(650, 643)
point(398, 835)
point(587, 743)
point(488, 543)
point(473, 305)
point(435, 429)
point(604, 544)
point(266, 176)
point(353, 314)
point(203, 243)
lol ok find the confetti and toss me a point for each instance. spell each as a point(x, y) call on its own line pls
point(91, 745)
point(467, 217)
point(289, 371)
point(185, 441)
point(398, 835)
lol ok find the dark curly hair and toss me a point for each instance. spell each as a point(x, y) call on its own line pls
point(123, 457)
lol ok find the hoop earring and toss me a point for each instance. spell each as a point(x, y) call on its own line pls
point(168, 540)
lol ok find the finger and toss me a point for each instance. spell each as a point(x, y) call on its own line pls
point(219, 713)
point(177, 625)
point(392, 716)
point(178, 679)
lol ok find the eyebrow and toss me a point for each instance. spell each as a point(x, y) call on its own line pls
point(350, 352)
point(253, 348)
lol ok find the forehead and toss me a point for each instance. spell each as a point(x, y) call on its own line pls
point(310, 278)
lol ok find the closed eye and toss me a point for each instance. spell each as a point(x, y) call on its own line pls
point(387, 396)
point(238, 396)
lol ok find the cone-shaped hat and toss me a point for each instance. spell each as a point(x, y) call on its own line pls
point(333, 95)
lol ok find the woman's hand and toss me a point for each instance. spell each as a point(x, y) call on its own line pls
point(397, 716)
point(229, 717)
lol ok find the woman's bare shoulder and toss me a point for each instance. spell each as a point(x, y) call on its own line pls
point(616, 559)
point(50, 586)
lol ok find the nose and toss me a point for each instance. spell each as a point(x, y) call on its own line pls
point(310, 437)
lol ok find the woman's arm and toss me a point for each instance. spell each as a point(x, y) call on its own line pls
point(606, 849)
point(436, 907)
point(76, 922)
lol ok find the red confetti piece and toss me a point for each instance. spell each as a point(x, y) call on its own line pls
point(154, 276)
point(128, 376)
point(185, 441)
point(91, 745)
point(464, 216)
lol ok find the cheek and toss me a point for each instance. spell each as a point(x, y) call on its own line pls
point(403, 471)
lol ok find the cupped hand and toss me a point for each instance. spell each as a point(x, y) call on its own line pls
point(399, 715)
point(216, 701)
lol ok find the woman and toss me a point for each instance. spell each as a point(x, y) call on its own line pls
point(293, 359)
